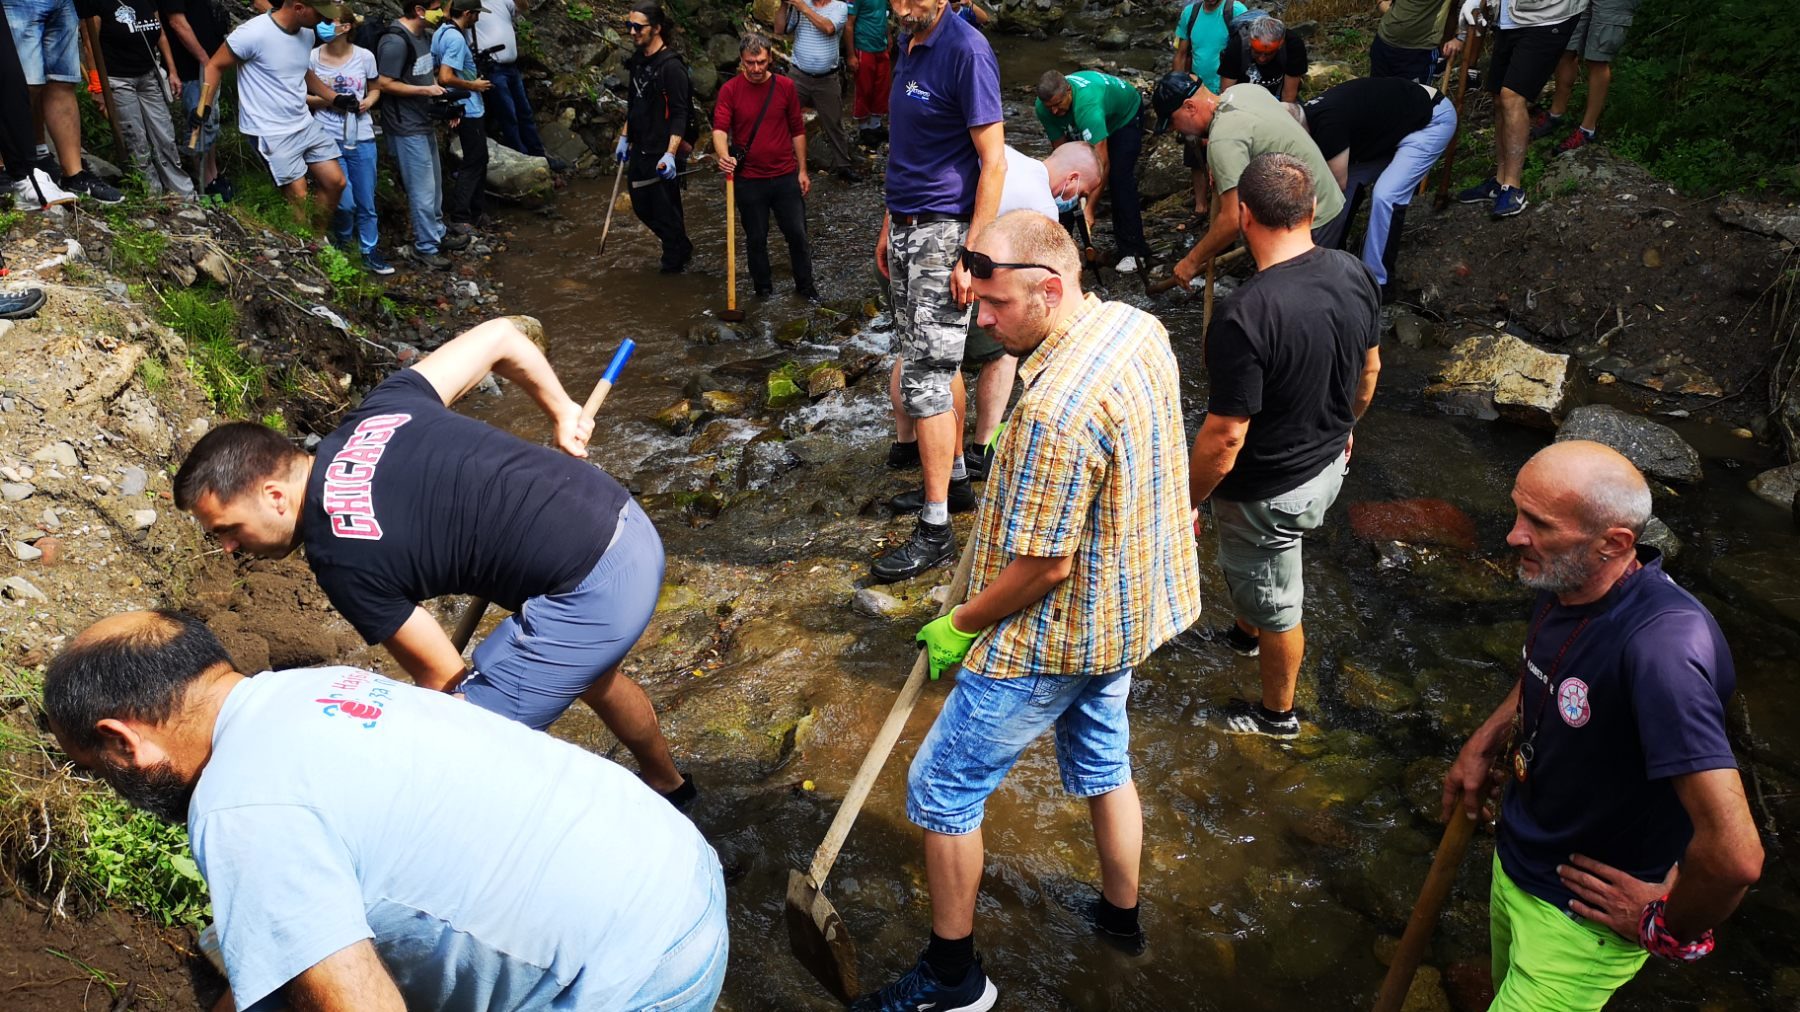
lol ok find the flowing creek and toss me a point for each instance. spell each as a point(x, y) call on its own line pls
point(1271, 872)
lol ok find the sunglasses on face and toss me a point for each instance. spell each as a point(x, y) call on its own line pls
point(635, 27)
point(983, 266)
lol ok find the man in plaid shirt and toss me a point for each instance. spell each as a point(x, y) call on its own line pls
point(1084, 564)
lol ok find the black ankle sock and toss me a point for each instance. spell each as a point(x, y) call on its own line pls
point(950, 958)
point(1275, 715)
point(1115, 920)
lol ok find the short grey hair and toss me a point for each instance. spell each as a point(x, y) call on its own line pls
point(753, 42)
point(1267, 29)
point(1051, 85)
point(1616, 498)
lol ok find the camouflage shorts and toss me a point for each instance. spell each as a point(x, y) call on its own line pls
point(929, 325)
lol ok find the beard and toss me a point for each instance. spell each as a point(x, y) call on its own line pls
point(916, 23)
point(1560, 574)
point(1029, 331)
point(156, 789)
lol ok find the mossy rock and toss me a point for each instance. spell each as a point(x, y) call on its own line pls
point(783, 392)
point(1367, 689)
point(824, 380)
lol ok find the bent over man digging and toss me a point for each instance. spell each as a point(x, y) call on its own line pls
point(408, 500)
point(1082, 567)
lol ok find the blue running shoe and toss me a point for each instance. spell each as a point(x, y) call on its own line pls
point(1480, 194)
point(376, 264)
point(919, 990)
point(1509, 201)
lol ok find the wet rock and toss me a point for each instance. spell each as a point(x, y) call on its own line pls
point(1413, 521)
point(1658, 536)
point(1672, 374)
point(723, 402)
point(876, 603)
point(1778, 485)
point(713, 332)
point(1410, 330)
point(1762, 581)
point(1114, 38)
point(712, 437)
point(1424, 787)
point(25, 553)
point(142, 520)
point(793, 332)
point(1367, 689)
point(1426, 993)
point(20, 589)
point(1656, 449)
point(1497, 376)
point(1470, 985)
point(61, 454)
point(16, 491)
point(513, 174)
point(678, 419)
point(1161, 172)
point(783, 392)
point(132, 480)
point(763, 462)
point(562, 142)
point(824, 380)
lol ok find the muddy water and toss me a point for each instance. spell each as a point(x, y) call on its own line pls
point(1271, 872)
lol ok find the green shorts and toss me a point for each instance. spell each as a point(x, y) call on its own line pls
point(1548, 961)
point(980, 348)
point(1259, 547)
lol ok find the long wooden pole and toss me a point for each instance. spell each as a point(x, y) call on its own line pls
point(1425, 912)
point(1471, 54)
point(92, 39)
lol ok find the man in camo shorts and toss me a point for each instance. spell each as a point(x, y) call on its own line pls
point(946, 169)
point(1599, 35)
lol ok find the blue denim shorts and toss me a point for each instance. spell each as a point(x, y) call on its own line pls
point(48, 38)
point(987, 722)
point(543, 657)
point(689, 976)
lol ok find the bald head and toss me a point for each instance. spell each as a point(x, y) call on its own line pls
point(136, 666)
point(1603, 488)
point(1076, 160)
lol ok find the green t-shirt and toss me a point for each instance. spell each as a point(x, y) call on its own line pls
point(871, 25)
point(1250, 122)
point(1102, 104)
point(1414, 24)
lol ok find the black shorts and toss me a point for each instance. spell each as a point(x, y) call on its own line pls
point(1193, 152)
point(1524, 58)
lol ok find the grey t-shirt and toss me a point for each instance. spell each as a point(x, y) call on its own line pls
point(402, 56)
point(272, 77)
point(1249, 122)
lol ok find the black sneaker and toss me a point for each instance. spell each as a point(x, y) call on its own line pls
point(1131, 944)
point(848, 175)
point(86, 184)
point(919, 988)
point(809, 293)
point(222, 188)
point(1481, 193)
point(683, 796)
point(962, 499)
point(454, 242)
point(978, 460)
point(22, 304)
point(1237, 639)
point(903, 455)
point(930, 545)
point(1243, 717)
point(763, 293)
point(433, 260)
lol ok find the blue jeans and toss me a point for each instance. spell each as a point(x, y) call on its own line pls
point(356, 208)
point(422, 174)
point(510, 110)
point(47, 36)
point(987, 722)
point(1392, 185)
point(689, 976)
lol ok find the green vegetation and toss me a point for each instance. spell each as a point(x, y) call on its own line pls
point(275, 420)
point(136, 249)
point(337, 267)
point(208, 323)
point(580, 13)
point(154, 374)
point(136, 860)
point(10, 220)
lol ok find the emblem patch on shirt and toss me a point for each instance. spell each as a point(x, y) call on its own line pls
point(914, 91)
point(1572, 702)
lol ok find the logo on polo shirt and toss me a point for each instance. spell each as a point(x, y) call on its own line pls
point(1572, 702)
point(344, 700)
point(914, 91)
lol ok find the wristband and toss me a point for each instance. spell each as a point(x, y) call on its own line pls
point(1654, 935)
point(94, 82)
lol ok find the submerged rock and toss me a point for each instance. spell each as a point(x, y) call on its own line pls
point(1658, 536)
point(1414, 522)
point(1655, 448)
point(824, 380)
point(1367, 689)
point(876, 603)
point(679, 418)
point(1497, 376)
point(783, 392)
point(1778, 485)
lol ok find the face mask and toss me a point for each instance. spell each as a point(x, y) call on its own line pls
point(326, 31)
point(1067, 205)
point(434, 17)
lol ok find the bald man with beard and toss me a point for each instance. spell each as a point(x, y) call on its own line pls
point(1612, 749)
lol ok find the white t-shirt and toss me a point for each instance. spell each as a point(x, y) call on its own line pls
point(351, 77)
point(1027, 186)
point(494, 866)
point(496, 25)
point(271, 79)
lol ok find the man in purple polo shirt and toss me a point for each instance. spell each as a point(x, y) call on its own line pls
point(946, 169)
point(1614, 750)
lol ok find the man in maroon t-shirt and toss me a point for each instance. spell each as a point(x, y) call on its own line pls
point(760, 138)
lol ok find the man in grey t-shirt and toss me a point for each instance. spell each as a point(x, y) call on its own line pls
point(274, 76)
point(410, 111)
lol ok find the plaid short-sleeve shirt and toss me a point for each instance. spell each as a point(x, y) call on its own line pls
point(1092, 465)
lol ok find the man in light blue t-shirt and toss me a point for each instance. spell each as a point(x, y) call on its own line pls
point(459, 76)
point(817, 27)
point(381, 846)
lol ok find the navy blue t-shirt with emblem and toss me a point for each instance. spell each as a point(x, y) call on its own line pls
point(1639, 698)
point(409, 500)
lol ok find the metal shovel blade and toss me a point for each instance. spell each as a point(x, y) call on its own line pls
point(819, 938)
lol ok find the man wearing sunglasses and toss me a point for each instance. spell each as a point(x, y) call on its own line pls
point(652, 146)
point(1082, 568)
point(946, 170)
point(1264, 53)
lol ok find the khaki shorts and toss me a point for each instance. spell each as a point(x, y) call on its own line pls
point(1259, 547)
point(1600, 30)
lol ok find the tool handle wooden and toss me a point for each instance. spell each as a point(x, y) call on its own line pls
point(1425, 913)
point(471, 619)
point(730, 242)
point(883, 745)
point(203, 110)
point(1471, 54)
point(611, 202)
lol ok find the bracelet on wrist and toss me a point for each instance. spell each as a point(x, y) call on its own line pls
point(1654, 936)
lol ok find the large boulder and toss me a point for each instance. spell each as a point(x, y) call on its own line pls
point(722, 50)
point(513, 174)
point(1498, 376)
point(1656, 449)
point(1161, 173)
point(1780, 485)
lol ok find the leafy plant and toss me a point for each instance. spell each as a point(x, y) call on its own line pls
point(337, 267)
point(10, 220)
point(134, 859)
point(275, 420)
point(580, 13)
point(209, 326)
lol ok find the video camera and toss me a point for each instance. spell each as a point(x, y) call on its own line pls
point(484, 59)
point(444, 108)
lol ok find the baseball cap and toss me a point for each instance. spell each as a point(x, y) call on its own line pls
point(1171, 90)
point(330, 9)
point(464, 6)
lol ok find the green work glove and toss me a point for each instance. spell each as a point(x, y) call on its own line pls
point(945, 643)
point(994, 440)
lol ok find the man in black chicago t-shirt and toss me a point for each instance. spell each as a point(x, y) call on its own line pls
point(407, 500)
point(1292, 362)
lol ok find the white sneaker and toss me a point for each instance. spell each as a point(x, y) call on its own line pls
point(38, 191)
point(1129, 265)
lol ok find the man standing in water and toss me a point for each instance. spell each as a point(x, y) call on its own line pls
point(946, 170)
point(1624, 831)
point(656, 123)
point(1082, 568)
point(409, 501)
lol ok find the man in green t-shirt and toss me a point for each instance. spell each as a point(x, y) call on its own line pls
point(872, 67)
point(1105, 112)
point(1244, 122)
point(1407, 39)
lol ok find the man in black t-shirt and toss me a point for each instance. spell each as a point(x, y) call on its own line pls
point(1264, 53)
point(408, 500)
point(140, 69)
point(197, 28)
point(1292, 360)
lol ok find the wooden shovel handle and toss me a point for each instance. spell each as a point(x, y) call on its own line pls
point(610, 204)
point(883, 745)
point(202, 111)
point(1425, 912)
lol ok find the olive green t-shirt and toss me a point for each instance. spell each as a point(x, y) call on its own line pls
point(1414, 24)
point(1250, 122)
point(1102, 104)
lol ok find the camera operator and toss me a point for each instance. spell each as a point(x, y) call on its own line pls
point(412, 104)
point(458, 71)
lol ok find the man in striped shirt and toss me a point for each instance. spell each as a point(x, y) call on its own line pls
point(817, 27)
point(1083, 565)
